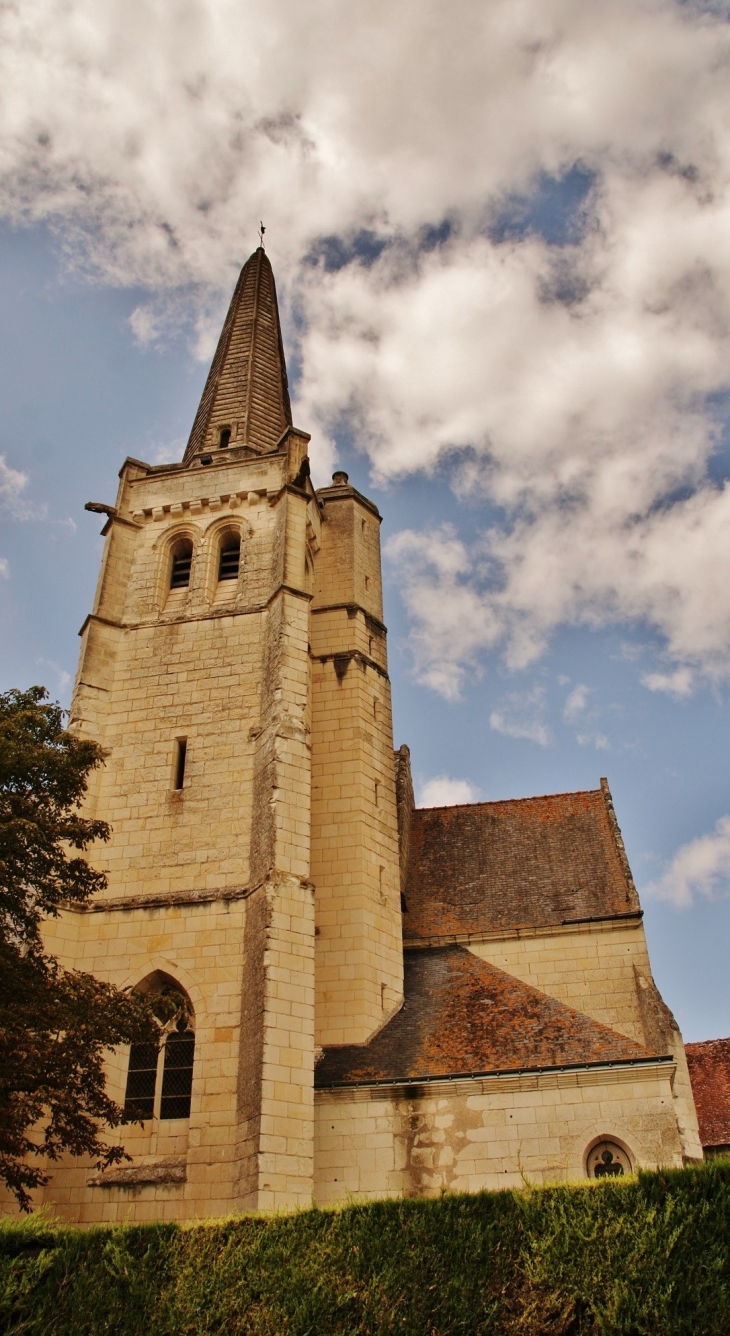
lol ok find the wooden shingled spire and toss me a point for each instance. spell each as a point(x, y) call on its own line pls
point(246, 393)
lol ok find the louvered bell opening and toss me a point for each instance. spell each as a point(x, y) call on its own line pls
point(230, 560)
point(139, 1099)
point(177, 1079)
point(181, 562)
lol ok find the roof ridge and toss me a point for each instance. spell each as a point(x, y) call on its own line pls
point(501, 802)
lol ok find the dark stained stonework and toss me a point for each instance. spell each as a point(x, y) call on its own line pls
point(709, 1070)
point(530, 862)
point(462, 1016)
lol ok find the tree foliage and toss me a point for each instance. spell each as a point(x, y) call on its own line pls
point(55, 1024)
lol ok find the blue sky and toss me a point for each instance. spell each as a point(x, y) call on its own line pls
point(502, 258)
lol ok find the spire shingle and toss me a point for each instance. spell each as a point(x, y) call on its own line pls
point(246, 390)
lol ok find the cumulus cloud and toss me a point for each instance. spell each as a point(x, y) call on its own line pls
point(699, 868)
point(679, 683)
point(444, 792)
point(4, 568)
point(521, 714)
point(402, 163)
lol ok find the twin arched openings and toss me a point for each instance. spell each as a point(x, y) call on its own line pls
point(227, 559)
point(160, 1077)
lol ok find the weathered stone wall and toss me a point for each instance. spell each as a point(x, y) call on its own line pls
point(492, 1132)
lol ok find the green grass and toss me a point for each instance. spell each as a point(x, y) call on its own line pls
point(649, 1255)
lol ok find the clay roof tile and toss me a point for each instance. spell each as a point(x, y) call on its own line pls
point(463, 1016)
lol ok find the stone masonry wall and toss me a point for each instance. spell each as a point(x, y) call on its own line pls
point(493, 1132)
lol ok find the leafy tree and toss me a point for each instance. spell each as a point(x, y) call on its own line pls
point(55, 1024)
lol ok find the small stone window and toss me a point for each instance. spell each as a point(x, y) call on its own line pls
point(182, 557)
point(178, 763)
point(224, 438)
point(230, 558)
point(608, 1160)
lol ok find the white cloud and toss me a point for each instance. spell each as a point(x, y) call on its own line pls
point(701, 867)
point(168, 452)
point(63, 678)
point(576, 703)
point(679, 683)
point(444, 792)
point(4, 568)
point(576, 714)
point(12, 485)
point(450, 620)
point(579, 378)
point(520, 714)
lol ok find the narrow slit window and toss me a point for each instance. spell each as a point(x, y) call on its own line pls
point(224, 438)
point(181, 751)
point(230, 559)
point(181, 562)
point(139, 1099)
point(177, 1077)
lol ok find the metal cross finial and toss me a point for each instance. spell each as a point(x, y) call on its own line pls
point(262, 229)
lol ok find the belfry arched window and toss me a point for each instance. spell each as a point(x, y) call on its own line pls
point(182, 557)
point(160, 1076)
point(230, 557)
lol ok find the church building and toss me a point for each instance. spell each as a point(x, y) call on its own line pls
point(380, 1000)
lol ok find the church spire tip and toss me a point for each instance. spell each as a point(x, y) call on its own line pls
point(246, 395)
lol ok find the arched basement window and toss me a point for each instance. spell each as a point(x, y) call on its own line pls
point(177, 1076)
point(182, 557)
point(230, 558)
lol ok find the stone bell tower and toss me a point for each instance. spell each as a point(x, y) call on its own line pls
point(234, 668)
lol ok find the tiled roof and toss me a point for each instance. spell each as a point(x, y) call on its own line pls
point(709, 1070)
point(464, 1016)
point(527, 862)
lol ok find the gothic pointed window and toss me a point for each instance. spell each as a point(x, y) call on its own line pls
point(139, 1099)
point(177, 1075)
point(182, 556)
point(147, 1096)
point(230, 558)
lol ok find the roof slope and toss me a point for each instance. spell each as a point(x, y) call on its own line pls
point(246, 388)
point(527, 862)
point(464, 1016)
point(709, 1070)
